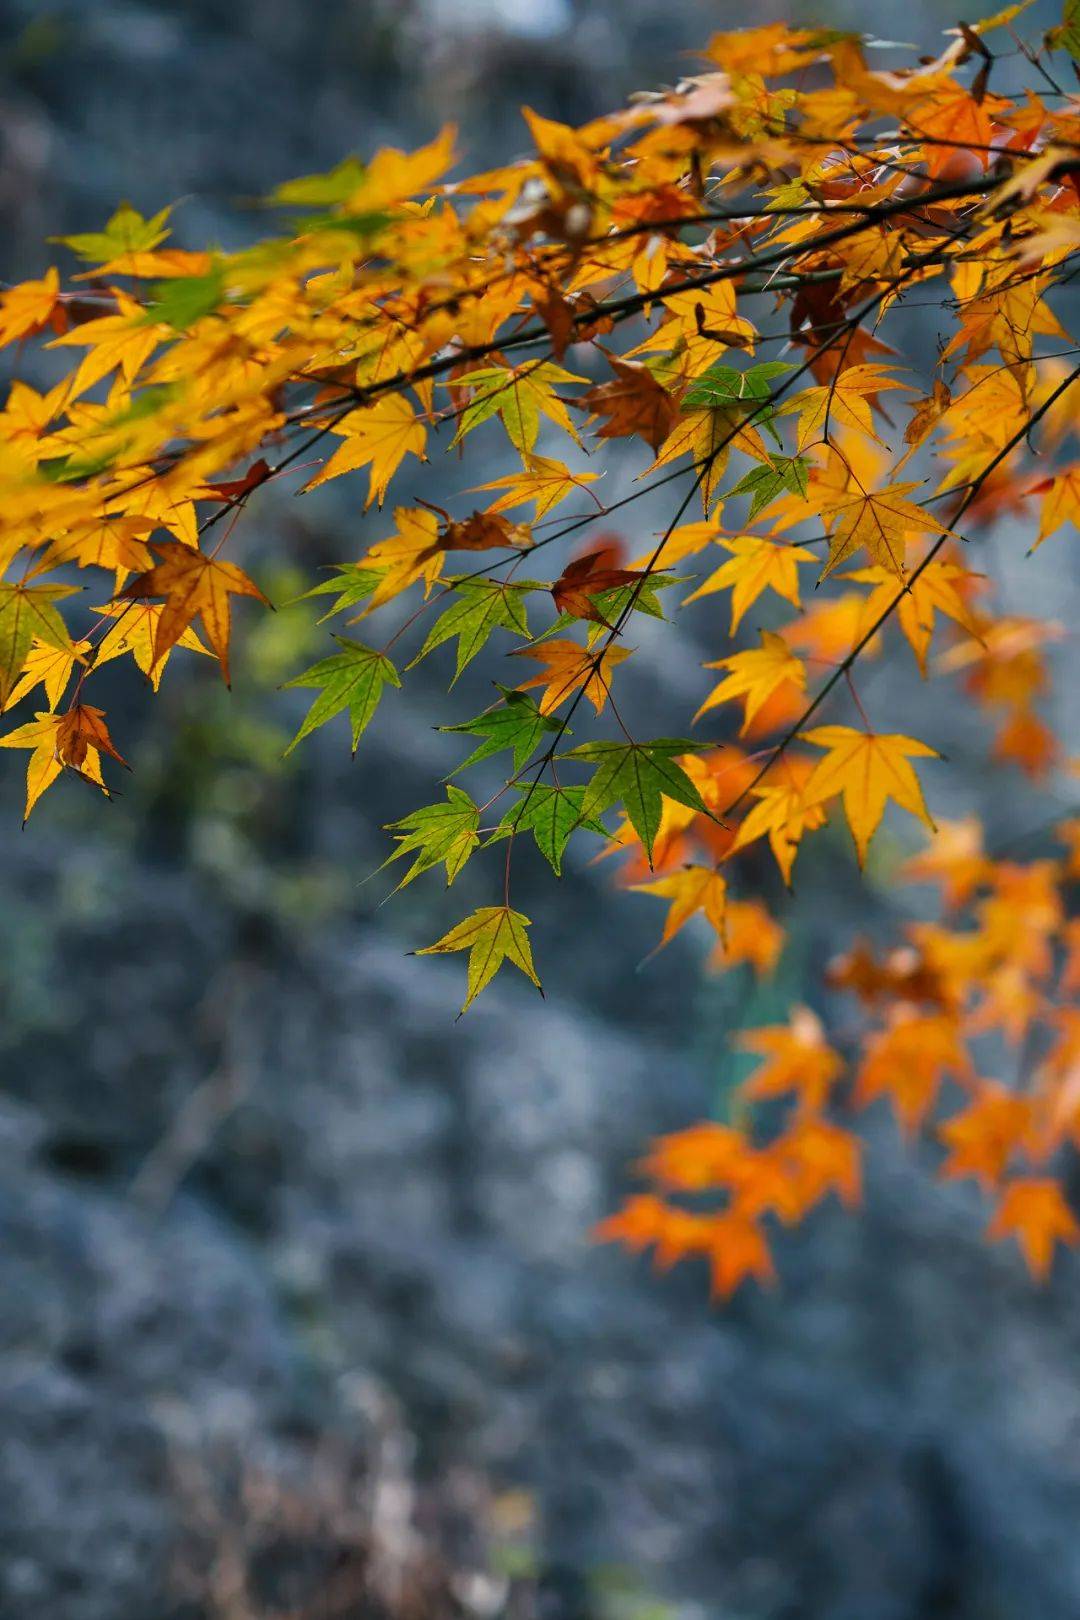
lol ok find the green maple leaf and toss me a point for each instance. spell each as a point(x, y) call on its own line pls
point(515, 723)
point(352, 679)
point(763, 483)
point(351, 583)
point(493, 935)
point(640, 776)
point(126, 232)
point(437, 834)
point(724, 386)
point(482, 606)
point(551, 813)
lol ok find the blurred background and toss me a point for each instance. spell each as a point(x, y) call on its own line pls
point(300, 1313)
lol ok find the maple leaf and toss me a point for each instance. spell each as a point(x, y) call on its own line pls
point(738, 1249)
point(679, 543)
point(350, 583)
point(750, 935)
point(868, 769)
point(485, 531)
point(122, 342)
point(926, 413)
point(821, 1158)
point(438, 834)
point(709, 434)
point(707, 1154)
point(45, 763)
point(633, 403)
point(757, 564)
point(80, 729)
point(543, 480)
point(642, 1221)
point(1027, 741)
point(640, 776)
point(877, 521)
point(755, 675)
point(569, 665)
point(351, 679)
point(28, 307)
point(953, 122)
point(551, 813)
point(693, 889)
point(983, 1137)
point(107, 542)
point(193, 584)
point(907, 1061)
point(797, 1059)
point(515, 723)
point(1034, 1211)
point(492, 935)
point(519, 397)
point(378, 436)
point(1060, 503)
point(781, 814)
point(844, 402)
point(954, 858)
point(127, 232)
point(480, 607)
point(28, 613)
point(50, 667)
point(586, 577)
point(73, 741)
point(412, 553)
point(134, 630)
point(392, 175)
point(933, 590)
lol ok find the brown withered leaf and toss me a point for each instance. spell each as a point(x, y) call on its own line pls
point(587, 577)
point(84, 727)
point(483, 531)
point(633, 403)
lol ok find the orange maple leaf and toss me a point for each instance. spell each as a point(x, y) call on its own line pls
point(568, 665)
point(1034, 1211)
point(192, 583)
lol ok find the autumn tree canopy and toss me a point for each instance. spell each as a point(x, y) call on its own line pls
point(726, 274)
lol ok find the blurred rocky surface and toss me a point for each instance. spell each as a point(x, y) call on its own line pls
point(300, 1311)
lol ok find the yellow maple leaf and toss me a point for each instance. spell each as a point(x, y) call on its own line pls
point(492, 935)
point(411, 553)
point(844, 402)
point(756, 564)
point(907, 1062)
point(47, 666)
point(755, 675)
point(134, 630)
point(933, 590)
point(27, 307)
point(377, 436)
point(797, 1059)
point(878, 521)
point(392, 175)
point(543, 479)
point(693, 889)
point(1060, 504)
point(50, 753)
point(868, 769)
